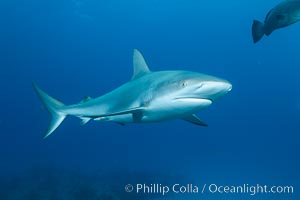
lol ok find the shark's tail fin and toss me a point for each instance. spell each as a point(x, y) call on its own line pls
point(54, 107)
point(257, 30)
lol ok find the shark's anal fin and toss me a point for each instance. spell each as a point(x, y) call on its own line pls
point(84, 120)
point(140, 67)
point(194, 120)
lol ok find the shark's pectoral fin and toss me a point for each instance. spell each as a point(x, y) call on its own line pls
point(194, 119)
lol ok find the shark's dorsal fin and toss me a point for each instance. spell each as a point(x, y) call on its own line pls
point(140, 67)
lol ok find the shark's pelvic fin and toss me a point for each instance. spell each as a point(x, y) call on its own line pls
point(140, 67)
point(194, 120)
point(54, 107)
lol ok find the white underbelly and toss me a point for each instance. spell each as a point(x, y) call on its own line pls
point(162, 112)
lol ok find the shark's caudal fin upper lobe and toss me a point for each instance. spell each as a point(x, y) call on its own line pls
point(257, 30)
point(54, 107)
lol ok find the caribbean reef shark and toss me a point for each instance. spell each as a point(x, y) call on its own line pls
point(147, 97)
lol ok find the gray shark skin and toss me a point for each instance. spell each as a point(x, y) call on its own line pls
point(148, 97)
point(284, 14)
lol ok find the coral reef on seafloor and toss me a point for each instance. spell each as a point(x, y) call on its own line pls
point(50, 183)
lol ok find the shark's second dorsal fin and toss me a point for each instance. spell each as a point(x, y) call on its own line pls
point(140, 67)
point(85, 99)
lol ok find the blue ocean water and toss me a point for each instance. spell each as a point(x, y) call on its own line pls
point(75, 48)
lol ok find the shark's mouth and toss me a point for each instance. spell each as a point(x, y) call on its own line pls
point(189, 101)
point(193, 98)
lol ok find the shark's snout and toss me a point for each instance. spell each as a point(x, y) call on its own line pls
point(227, 86)
point(223, 87)
point(215, 89)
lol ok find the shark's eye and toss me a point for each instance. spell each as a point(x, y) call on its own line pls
point(183, 84)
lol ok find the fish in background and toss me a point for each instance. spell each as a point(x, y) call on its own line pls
point(284, 14)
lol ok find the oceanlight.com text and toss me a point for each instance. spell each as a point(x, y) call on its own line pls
point(249, 189)
point(161, 189)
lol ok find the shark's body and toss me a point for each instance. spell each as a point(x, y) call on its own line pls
point(148, 97)
point(282, 15)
